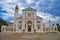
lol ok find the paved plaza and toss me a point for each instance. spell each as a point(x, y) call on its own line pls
point(29, 36)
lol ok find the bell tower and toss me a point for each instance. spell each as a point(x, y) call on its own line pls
point(15, 17)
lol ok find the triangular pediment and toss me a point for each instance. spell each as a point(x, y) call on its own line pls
point(29, 9)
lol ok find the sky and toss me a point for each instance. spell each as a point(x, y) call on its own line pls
point(47, 9)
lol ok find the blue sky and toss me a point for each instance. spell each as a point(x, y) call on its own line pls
point(45, 9)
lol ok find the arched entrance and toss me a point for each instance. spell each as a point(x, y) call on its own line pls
point(29, 28)
point(29, 23)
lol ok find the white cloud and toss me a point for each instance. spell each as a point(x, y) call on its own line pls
point(7, 15)
point(28, 1)
point(44, 4)
point(10, 1)
point(47, 16)
point(9, 8)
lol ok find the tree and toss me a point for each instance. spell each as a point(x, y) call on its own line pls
point(2, 22)
point(58, 26)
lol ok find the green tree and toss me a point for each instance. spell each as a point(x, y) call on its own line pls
point(2, 22)
point(58, 26)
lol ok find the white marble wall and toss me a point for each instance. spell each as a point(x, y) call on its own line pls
point(25, 19)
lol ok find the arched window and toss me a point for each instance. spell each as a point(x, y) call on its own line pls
point(43, 29)
point(20, 26)
point(25, 15)
point(33, 25)
point(29, 22)
point(38, 26)
point(3, 29)
point(55, 29)
point(20, 21)
point(38, 21)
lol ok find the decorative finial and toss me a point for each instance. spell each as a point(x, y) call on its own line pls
point(49, 20)
point(16, 7)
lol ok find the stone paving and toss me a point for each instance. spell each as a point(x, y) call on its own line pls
point(29, 36)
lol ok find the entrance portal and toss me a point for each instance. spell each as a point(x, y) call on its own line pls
point(29, 28)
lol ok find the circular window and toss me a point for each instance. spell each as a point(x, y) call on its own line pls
point(29, 15)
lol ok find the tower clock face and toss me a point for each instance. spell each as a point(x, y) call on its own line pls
point(29, 15)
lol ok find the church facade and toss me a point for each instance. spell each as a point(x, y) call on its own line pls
point(28, 22)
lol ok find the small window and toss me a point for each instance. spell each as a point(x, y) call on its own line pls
point(38, 21)
point(3, 28)
point(43, 29)
point(38, 27)
point(20, 21)
point(55, 29)
point(19, 26)
point(33, 25)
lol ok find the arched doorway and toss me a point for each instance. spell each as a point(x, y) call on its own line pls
point(29, 23)
point(29, 28)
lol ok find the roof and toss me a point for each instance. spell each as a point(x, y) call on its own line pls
point(36, 17)
point(19, 17)
point(39, 17)
point(29, 9)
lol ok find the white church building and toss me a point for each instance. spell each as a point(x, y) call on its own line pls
point(29, 22)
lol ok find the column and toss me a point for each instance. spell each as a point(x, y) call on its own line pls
point(32, 30)
point(35, 24)
point(17, 26)
point(41, 26)
point(23, 25)
point(26, 27)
